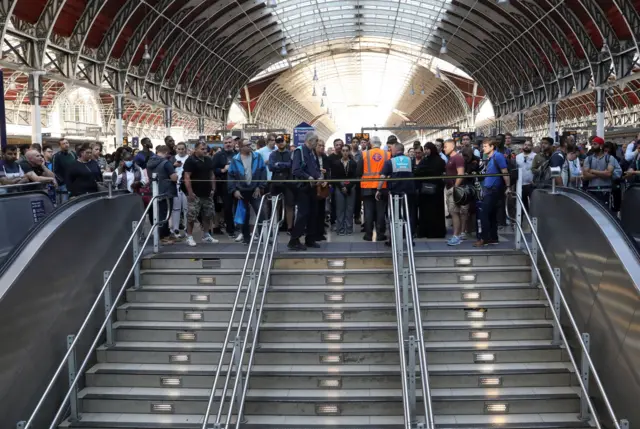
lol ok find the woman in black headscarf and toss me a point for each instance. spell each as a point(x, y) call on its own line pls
point(431, 223)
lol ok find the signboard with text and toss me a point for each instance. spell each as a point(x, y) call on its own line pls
point(300, 132)
point(347, 138)
point(361, 136)
point(135, 142)
point(287, 138)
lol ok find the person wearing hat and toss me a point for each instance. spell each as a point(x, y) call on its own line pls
point(598, 170)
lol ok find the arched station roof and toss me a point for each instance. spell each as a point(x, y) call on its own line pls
point(202, 53)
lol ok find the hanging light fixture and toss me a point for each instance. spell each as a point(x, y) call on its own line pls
point(283, 51)
point(422, 90)
point(272, 3)
point(443, 48)
point(315, 74)
point(328, 111)
point(229, 96)
point(412, 91)
point(503, 2)
point(322, 102)
point(146, 56)
point(438, 73)
point(314, 91)
point(324, 91)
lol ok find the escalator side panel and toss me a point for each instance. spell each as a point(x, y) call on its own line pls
point(46, 293)
point(600, 279)
point(18, 214)
point(629, 211)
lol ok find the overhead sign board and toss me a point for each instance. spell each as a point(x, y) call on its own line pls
point(250, 126)
point(347, 138)
point(410, 124)
point(135, 142)
point(300, 132)
point(361, 136)
point(287, 138)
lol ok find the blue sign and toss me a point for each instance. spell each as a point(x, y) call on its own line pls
point(135, 142)
point(300, 132)
point(38, 210)
point(347, 139)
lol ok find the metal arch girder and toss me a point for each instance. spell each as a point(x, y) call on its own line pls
point(602, 24)
point(44, 27)
point(6, 12)
point(115, 29)
point(195, 29)
point(147, 23)
point(263, 40)
point(458, 94)
point(194, 55)
point(632, 18)
point(577, 27)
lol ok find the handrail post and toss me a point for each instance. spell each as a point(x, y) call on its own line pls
point(412, 379)
point(405, 301)
point(136, 251)
point(237, 344)
point(155, 191)
point(624, 424)
point(557, 306)
point(584, 374)
point(71, 365)
point(107, 308)
point(519, 238)
point(534, 251)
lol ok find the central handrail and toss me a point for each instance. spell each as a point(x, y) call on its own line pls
point(400, 315)
point(251, 287)
point(107, 319)
point(417, 314)
point(572, 321)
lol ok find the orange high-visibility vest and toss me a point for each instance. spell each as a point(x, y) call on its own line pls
point(373, 161)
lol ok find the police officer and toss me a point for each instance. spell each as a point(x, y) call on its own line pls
point(370, 167)
point(398, 167)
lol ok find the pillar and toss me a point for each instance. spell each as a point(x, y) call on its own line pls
point(119, 110)
point(200, 126)
point(520, 124)
point(35, 98)
point(601, 108)
point(167, 120)
point(553, 120)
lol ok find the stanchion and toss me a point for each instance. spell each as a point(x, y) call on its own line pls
point(519, 237)
point(71, 366)
point(107, 308)
point(584, 373)
point(534, 252)
point(136, 251)
point(557, 306)
point(155, 191)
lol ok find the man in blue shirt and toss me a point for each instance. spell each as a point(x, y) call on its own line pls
point(305, 167)
point(493, 188)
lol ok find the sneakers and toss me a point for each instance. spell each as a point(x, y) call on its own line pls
point(209, 239)
point(239, 238)
point(190, 241)
point(454, 241)
point(463, 236)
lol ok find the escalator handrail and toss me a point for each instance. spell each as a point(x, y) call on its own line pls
point(399, 315)
point(569, 315)
point(18, 248)
point(223, 350)
point(422, 353)
point(94, 306)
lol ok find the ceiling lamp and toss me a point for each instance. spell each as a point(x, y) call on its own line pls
point(324, 91)
point(503, 1)
point(146, 56)
point(314, 91)
point(315, 74)
point(443, 48)
point(283, 51)
point(438, 73)
point(412, 91)
point(272, 3)
point(229, 96)
point(322, 102)
point(422, 90)
point(328, 111)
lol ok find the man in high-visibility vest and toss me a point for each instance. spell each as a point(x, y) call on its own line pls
point(371, 166)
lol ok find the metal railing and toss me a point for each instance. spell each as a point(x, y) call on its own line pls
point(105, 296)
point(408, 299)
point(557, 302)
point(266, 246)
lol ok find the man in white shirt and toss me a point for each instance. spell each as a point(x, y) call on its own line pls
point(265, 151)
point(180, 203)
point(524, 160)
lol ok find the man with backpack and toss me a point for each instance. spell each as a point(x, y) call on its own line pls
point(598, 169)
point(540, 164)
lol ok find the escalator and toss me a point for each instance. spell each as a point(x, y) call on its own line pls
point(48, 280)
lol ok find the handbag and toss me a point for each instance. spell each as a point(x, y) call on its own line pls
point(322, 192)
point(427, 188)
point(241, 212)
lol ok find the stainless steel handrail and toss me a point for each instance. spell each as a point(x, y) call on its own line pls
point(570, 317)
point(422, 353)
point(399, 314)
point(272, 232)
point(224, 347)
point(71, 348)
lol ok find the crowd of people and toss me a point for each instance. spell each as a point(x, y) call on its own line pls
point(341, 187)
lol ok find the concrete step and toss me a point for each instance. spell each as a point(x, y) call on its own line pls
point(349, 376)
point(194, 421)
point(273, 332)
point(356, 312)
point(351, 402)
point(158, 262)
point(372, 276)
point(341, 293)
point(441, 352)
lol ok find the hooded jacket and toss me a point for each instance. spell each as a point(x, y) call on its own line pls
point(164, 169)
point(236, 177)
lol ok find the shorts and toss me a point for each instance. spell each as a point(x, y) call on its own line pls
point(452, 206)
point(287, 192)
point(201, 206)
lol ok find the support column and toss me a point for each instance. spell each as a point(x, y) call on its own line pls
point(119, 104)
point(167, 120)
point(35, 98)
point(601, 108)
point(520, 123)
point(553, 120)
point(200, 126)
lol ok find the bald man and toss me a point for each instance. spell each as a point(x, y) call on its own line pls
point(35, 170)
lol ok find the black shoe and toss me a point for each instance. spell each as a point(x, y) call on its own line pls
point(321, 238)
point(382, 238)
point(312, 245)
point(357, 221)
point(367, 238)
point(217, 231)
point(246, 243)
point(296, 246)
point(387, 243)
point(362, 229)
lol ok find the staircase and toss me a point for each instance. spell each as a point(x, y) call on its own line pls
point(328, 353)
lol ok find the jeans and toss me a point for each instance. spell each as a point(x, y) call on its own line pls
point(492, 203)
point(164, 207)
point(250, 202)
point(179, 207)
point(307, 212)
point(228, 207)
point(374, 211)
point(344, 204)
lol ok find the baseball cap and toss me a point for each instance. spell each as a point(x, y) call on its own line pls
point(279, 139)
point(392, 139)
point(598, 140)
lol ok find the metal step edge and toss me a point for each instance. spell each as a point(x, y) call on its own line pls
point(190, 271)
